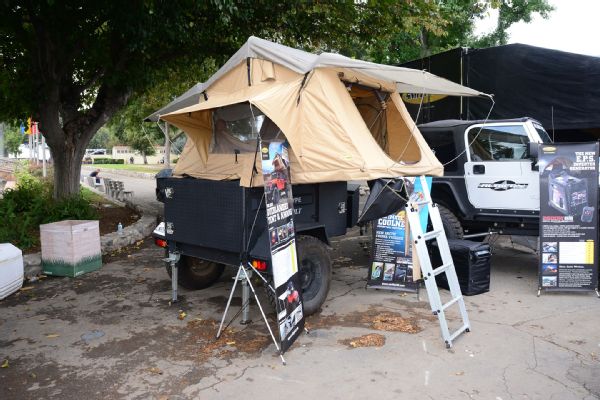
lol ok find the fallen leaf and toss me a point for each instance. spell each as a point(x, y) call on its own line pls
point(52, 335)
point(156, 370)
point(4, 364)
point(26, 288)
point(182, 315)
point(460, 373)
point(33, 375)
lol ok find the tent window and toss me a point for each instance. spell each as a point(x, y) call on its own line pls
point(235, 129)
point(373, 113)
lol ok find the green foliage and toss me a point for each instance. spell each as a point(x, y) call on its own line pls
point(458, 22)
point(109, 161)
point(23, 209)
point(101, 140)
point(74, 64)
point(13, 138)
point(511, 12)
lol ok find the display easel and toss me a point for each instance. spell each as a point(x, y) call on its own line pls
point(244, 274)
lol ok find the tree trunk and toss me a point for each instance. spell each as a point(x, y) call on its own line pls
point(167, 157)
point(67, 170)
point(145, 159)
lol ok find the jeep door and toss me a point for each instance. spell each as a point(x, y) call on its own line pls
point(499, 173)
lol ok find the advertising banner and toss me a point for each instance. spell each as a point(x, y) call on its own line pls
point(392, 265)
point(568, 216)
point(282, 240)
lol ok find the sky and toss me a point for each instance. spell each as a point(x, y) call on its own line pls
point(573, 26)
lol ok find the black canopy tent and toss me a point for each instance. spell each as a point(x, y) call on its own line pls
point(559, 89)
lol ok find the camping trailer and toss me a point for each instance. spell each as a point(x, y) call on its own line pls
point(343, 119)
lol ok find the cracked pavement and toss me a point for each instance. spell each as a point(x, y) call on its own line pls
point(112, 334)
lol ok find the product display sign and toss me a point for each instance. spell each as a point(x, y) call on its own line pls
point(391, 256)
point(568, 216)
point(282, 240)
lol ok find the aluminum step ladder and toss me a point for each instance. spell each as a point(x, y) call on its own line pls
point(413, 208)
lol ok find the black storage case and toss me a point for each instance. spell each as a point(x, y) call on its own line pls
point(472, 261)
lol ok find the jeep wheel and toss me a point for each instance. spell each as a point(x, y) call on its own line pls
point(451, 223)
point(194, 273)
point(314, 267)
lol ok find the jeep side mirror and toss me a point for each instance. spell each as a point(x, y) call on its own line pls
point(532, 149)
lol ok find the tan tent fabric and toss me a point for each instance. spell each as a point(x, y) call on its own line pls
point(316, 110)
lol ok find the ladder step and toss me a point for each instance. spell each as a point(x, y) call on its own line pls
point(432, 234)
point(460, 330)
point(454, 300)
point(442, 269)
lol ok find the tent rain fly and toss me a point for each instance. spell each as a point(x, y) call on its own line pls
point(343, 118)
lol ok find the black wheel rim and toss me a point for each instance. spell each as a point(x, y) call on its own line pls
point(309, 272)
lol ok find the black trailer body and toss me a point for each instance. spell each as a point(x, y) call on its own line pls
point(205, 219)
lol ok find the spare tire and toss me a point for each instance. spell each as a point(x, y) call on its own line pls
point(194, 273)
point(314, 265)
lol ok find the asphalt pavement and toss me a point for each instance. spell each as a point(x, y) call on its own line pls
point(144, 194)
point(112, 334)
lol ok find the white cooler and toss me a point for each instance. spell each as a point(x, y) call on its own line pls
point(11, 269)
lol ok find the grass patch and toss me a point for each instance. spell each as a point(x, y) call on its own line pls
point(131, 167)
point(93, 197)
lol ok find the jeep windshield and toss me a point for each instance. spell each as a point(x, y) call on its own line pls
point(542, 133)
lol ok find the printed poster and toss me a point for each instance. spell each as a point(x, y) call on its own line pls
point(282, 240)
point(392, 265)
point(568, 216)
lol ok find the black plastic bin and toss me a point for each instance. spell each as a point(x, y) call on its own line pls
point(472, 261)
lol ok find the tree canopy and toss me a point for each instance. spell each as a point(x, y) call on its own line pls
point(74, 64)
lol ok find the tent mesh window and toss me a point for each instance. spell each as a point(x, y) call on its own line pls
point(235, 129)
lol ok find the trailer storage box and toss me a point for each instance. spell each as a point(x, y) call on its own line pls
point(11, 269)
point(472, 261)
point(70, 248)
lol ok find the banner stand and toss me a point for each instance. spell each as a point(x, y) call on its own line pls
point(568, 248)
point(245, 279)
point(394, 264)
point(540, 289)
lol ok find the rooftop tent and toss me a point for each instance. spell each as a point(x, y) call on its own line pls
point(343, 118)
point(190, 97)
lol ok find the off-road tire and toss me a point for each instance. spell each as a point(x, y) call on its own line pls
point(194, 273)
point(314, 265)
point(314, 291)
point(451, 224)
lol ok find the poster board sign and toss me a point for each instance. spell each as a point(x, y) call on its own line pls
point(568, 216)
point(282, 241)
point(392, 264)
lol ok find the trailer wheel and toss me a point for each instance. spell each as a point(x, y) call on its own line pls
point(314, 266)
point(451, 224)
point(194, 273)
